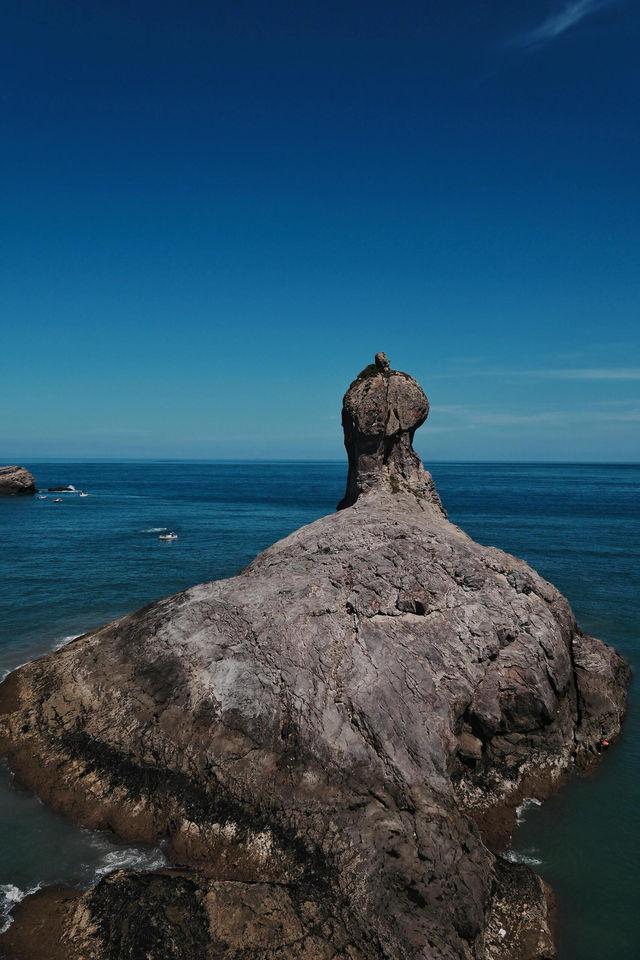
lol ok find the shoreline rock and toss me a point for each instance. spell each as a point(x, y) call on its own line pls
point(335, 740)
point(16, 481)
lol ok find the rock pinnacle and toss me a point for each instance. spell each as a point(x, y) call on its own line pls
point(381, 411)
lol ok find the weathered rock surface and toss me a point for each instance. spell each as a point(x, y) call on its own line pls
point(381, 411)
point(15, 481)
point(176, 915)
point(333, 741)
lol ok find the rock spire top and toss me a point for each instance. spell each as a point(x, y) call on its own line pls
point(381, 362)
point(381, 411)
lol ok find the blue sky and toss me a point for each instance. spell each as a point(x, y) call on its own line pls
point(214, 214)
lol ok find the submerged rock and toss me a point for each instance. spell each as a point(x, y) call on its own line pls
point(15, 481)
point(334, 741)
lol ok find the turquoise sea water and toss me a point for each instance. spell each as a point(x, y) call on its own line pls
point(66, 568)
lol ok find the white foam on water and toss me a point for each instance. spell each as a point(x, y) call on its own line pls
point(109, 857)
point(59, 644)
point(135, 858)
point(526, 804)
point(11, 893)
point(515, 857)
point(9, 896)
point(154, 530)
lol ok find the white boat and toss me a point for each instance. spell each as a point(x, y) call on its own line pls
point(42, 496)
point(58, 500)
point(83, 494)
point(168, 536)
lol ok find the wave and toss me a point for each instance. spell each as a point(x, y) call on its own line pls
point(154, 530)
point(515, 857)
point(103, 856)
point(526, 805)
point(131, 858)
point(63, 641)
point(9, 896)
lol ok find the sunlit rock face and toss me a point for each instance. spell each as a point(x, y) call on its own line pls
point(16, 481)
point(334, 741)
point(381, 411)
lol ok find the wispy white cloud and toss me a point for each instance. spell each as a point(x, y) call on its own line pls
point(562, 20)
point(585, 373)
point(551, 373)
point(505, 419)
point(468, 416)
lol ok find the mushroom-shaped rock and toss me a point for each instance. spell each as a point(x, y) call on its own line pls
point(16, 481)
point(333, 741)
point(381, 411)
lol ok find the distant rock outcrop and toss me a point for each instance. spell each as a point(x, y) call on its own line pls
point(16, 481)
point(334, 741)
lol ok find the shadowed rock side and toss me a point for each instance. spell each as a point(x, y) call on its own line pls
point(15, 481)
point(334, 741)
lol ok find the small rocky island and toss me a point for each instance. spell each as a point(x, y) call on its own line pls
point(16, 481)
point(333, 742)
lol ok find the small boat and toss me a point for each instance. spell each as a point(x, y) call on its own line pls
point(42, 496)
point(168, 536)
point(58, 500)
point(83, 494)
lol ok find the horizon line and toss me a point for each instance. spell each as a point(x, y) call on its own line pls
point(310, 460)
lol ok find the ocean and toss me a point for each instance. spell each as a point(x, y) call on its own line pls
point(66, 568)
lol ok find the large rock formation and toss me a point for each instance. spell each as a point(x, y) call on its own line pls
point(15, 481)
point(334, 741)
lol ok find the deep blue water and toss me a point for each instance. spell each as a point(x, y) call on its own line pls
point(66, 568)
